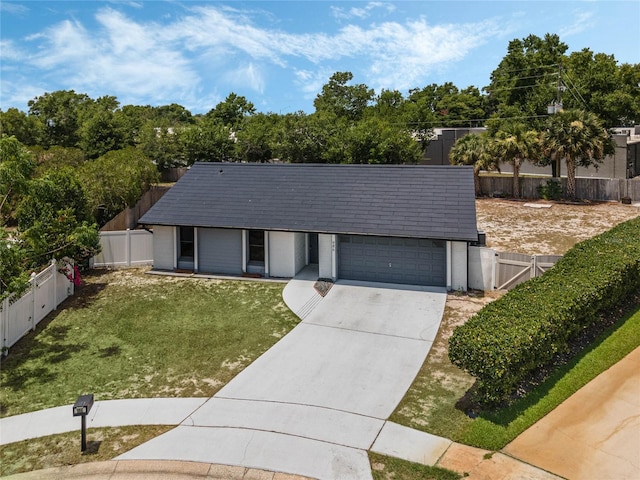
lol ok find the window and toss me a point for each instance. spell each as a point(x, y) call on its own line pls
point(186, 242)
point(256, 246)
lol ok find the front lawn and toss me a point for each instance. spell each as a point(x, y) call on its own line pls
point(126, 334)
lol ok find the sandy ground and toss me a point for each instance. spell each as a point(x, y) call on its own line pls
point(546, 228)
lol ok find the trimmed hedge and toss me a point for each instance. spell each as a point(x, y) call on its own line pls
point(508, 339)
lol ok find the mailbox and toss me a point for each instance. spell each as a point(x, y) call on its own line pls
point(83, 405)
point(81, 409)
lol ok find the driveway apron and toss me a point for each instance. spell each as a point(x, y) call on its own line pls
point(317, 400)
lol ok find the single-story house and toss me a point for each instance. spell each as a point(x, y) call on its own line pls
point(380, 223)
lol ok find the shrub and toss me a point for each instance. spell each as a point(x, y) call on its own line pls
point(504, 342)
point(551, 190)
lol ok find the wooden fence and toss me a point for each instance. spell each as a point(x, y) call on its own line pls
point(47, 290)
point(598, 189)
point(129, 217)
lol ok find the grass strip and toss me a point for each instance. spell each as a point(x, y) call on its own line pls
point(388, 468)
point(64, 449)
point(495, 430)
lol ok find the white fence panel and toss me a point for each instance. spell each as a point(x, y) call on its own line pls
point(493, 270)
point(481, 268)
point(46, 291)
point(125, 249)
point(141, 247)
point(18, 318)
point(64, 288)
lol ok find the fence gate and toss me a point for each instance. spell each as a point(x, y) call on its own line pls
point(515, 268)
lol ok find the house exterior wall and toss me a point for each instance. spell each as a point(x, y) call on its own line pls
point(457, 266)
point(326, 256)
point(219, 250)
point(282, 254)
point(163, 247)
point(300, 251)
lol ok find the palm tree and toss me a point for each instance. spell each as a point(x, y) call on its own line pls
point(579, 138)
point(474, 149)
point(515, 143)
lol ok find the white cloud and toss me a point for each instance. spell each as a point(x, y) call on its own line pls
point(13, 8)
point(248, 76)
point(360, 12)
point(122, 56)
point(10, 51)
point(172, 58)
point(582, 21)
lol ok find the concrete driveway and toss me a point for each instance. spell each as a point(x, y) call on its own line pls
point(318, 399)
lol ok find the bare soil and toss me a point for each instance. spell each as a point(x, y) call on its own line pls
point(530, 228)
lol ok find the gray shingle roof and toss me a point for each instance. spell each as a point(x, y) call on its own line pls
point(388, 200)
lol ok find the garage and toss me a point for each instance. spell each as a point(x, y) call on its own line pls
point(392, 260)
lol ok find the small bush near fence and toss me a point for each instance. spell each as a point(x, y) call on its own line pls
point(522, 331)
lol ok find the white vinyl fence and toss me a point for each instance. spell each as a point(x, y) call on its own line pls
point(126, 248)
point(47, 290)
point(493, 270)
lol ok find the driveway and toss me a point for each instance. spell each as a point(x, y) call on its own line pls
point(318, 399)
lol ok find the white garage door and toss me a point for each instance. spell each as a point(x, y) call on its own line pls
point(392, 260)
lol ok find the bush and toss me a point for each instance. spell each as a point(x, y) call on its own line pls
point(551, 190)
point(508, 339)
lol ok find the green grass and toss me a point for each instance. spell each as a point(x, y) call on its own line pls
point(435, 403)
point(130, 335)
point(64, 449)
point(387, 468)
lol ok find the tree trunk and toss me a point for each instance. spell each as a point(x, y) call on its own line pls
point(476, 182)
point(516, 178)
point(571, 179)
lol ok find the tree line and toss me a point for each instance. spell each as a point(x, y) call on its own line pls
point(71, 162)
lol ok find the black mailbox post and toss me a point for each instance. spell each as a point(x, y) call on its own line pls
point(81, 409)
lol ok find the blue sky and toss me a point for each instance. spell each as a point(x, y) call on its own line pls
point(278, 54)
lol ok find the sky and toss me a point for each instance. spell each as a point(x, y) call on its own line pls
point(279, 54)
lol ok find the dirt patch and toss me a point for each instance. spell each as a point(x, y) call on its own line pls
point(513, 226)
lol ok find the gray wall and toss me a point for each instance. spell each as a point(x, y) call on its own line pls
point(219, 251)
point(163, 248)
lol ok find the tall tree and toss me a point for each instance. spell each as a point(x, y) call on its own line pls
point(527, 77)
point(116, 181)
point(255, 142)
point(54, 220)
point(206, 141)
point(16, 167)
point(26, 128)
point(232, 111)
point(53, 192)
point(377, 141)
point(475, 150)
point(577, 137)
point(100, 130)
point(514, 144)
point(597, 83)
point(13, 276)
point(343, 100)
point(59, 112)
